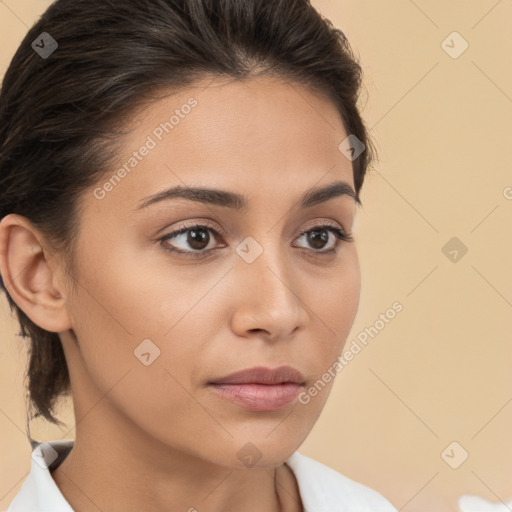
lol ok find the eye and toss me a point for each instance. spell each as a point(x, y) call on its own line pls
point(196, 239)
point(318, 236)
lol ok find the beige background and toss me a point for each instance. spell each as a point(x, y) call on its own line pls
point(440, 370)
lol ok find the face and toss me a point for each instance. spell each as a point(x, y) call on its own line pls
point(159, 314)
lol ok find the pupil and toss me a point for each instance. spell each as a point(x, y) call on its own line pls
point(197, 237)
point(314, 237)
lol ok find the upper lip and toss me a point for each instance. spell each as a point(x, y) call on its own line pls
point(262, 375)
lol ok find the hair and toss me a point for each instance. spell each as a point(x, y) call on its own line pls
point(61, 117)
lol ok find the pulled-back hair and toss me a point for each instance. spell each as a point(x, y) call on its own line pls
point(61, 115)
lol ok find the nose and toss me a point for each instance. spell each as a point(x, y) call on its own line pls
point(268, 296)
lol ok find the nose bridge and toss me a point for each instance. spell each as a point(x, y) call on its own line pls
point(266, 273)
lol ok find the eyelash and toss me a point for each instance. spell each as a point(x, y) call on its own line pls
point(338, 233)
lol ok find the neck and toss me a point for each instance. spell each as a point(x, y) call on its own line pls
point(118, 473)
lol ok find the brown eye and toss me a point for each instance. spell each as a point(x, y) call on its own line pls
point(195, 241)
point(198, 239)
point(190, 240)
point(318, 237)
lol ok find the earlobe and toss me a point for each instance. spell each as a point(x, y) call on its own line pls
point(28, 277)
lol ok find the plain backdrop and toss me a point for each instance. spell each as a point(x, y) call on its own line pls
point(434, 233)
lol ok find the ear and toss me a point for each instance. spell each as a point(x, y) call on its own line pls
point(28, 277)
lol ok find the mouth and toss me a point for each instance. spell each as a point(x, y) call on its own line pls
point(259, 388)
point(262, 375)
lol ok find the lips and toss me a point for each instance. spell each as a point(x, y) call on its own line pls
point(262, 375)
point(260, 389)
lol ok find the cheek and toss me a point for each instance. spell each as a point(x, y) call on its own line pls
point(348, 299)
point(140, 373)
point(335, 302)
point(333, 307)
point(350, 288)
point(125, 316)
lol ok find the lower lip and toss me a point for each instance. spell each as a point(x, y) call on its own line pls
point(259, 397)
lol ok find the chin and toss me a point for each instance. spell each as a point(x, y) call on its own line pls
point(257, 451)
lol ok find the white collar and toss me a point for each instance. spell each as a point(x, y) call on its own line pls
point(471, 503)
point(322, 489)
point(39, 492)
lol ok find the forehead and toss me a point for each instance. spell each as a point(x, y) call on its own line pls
point(253, 136)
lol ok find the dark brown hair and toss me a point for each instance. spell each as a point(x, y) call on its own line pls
point(61, 115)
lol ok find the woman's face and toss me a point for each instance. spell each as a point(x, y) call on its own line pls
point(155, 327)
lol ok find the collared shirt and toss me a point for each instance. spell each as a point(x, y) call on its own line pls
point(322, 489)
point(471, 503)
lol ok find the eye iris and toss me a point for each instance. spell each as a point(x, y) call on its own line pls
point(316, 236)
point(196, 237)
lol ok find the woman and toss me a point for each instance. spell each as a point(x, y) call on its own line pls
point(179, 185)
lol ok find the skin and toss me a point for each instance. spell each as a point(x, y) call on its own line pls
point(156, 437)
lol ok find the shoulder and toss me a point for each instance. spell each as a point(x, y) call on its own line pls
point(323, 489)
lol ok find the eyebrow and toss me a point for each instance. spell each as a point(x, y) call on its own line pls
point(240, 202)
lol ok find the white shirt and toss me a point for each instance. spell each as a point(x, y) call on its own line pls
point(470, 503)
point(322, 489)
